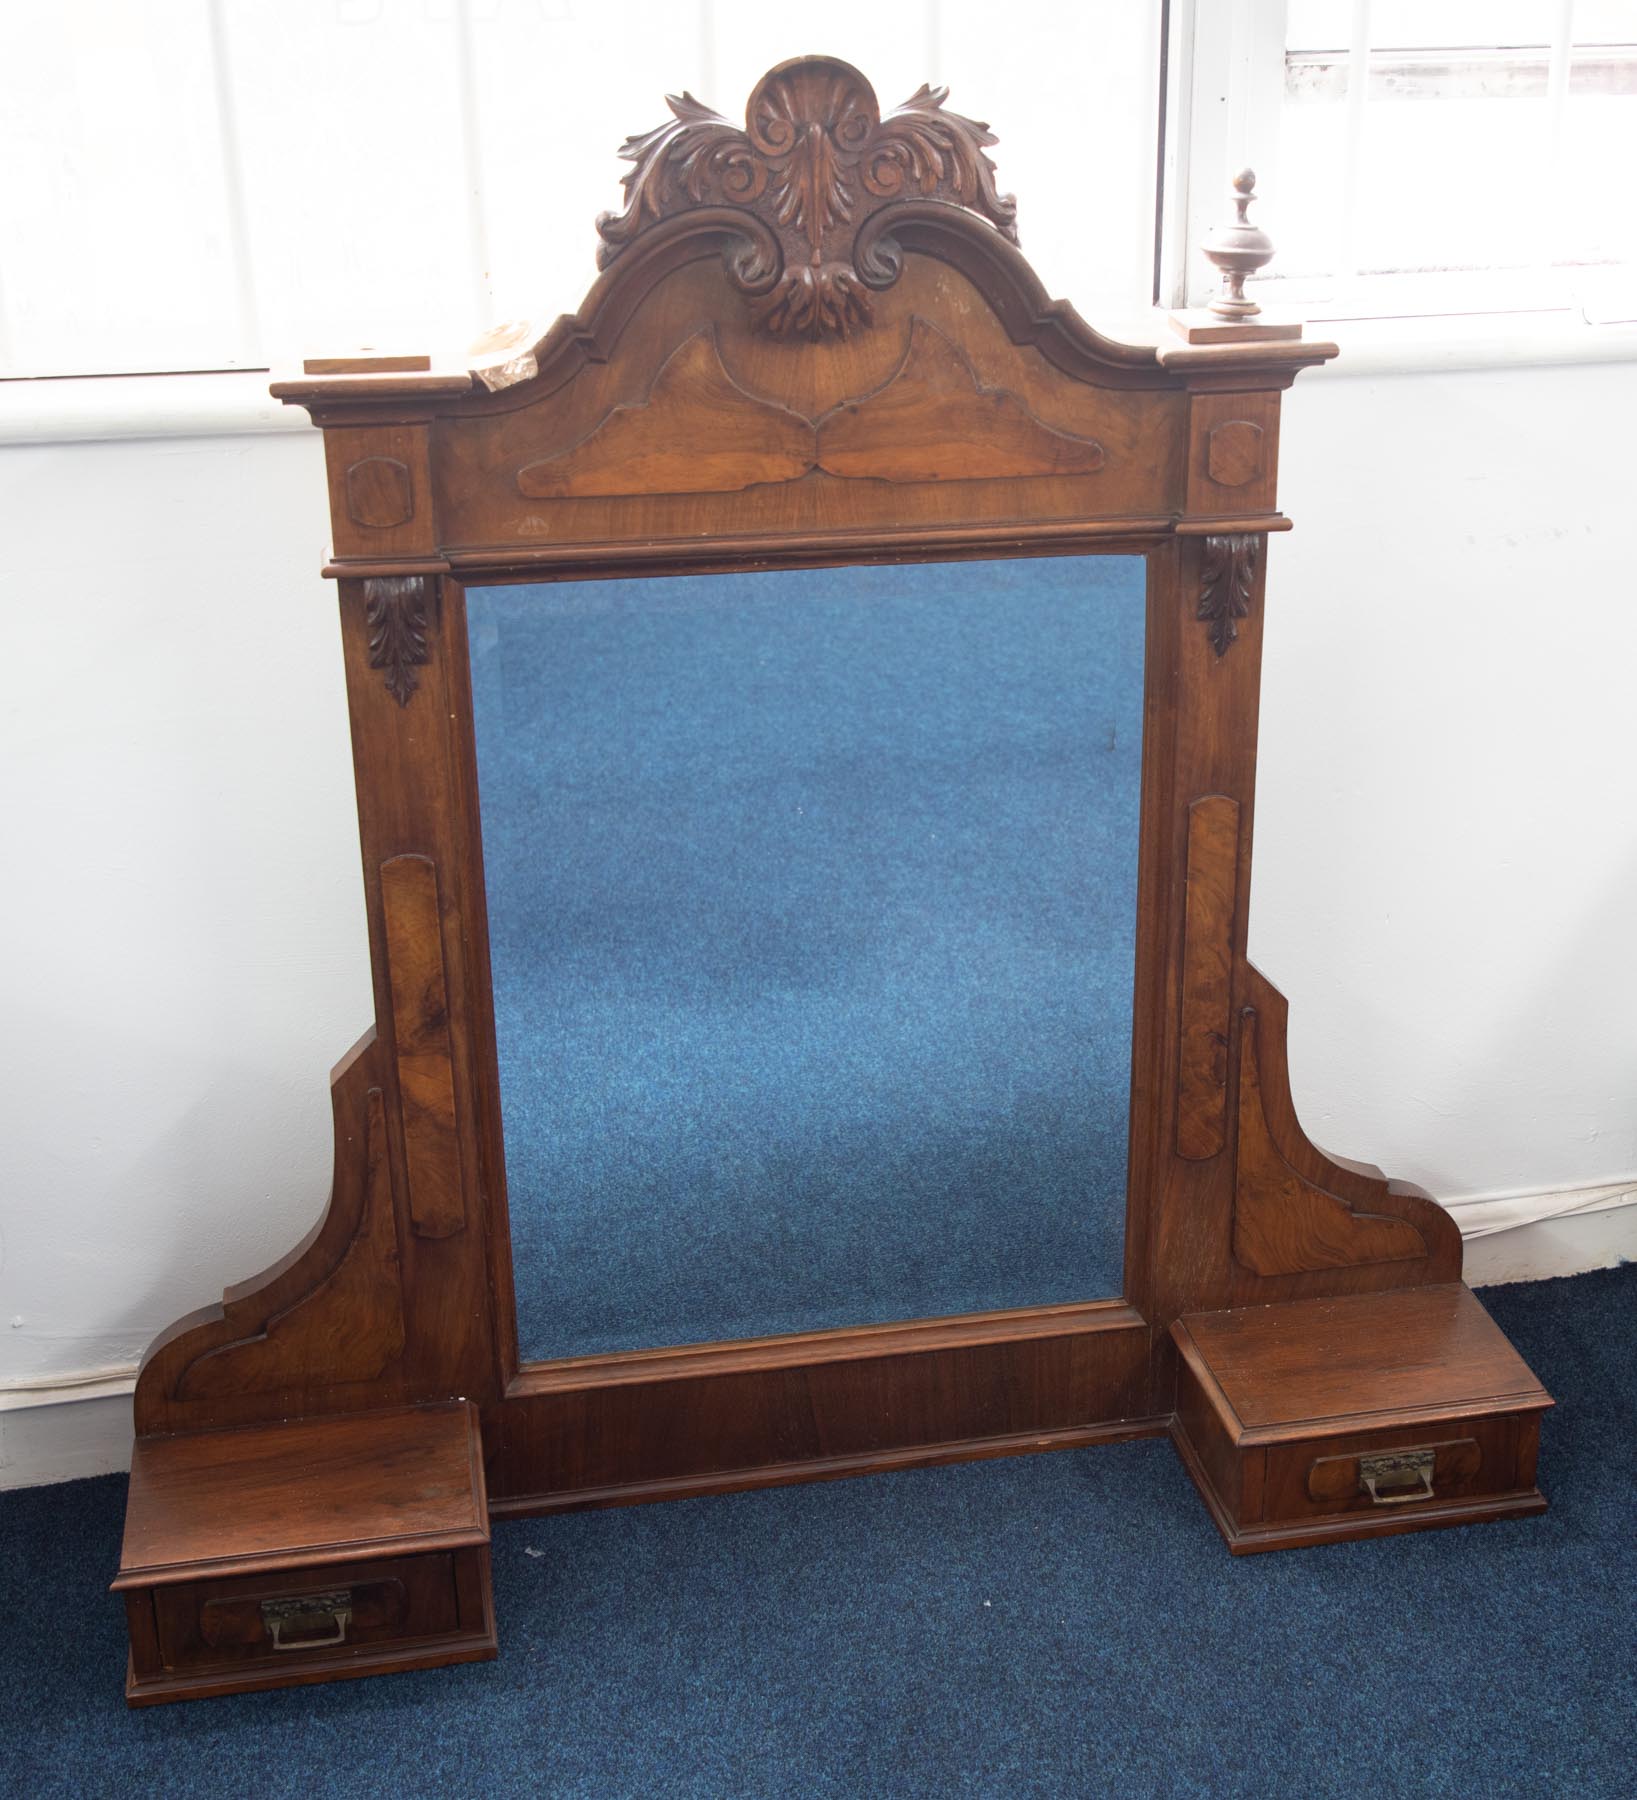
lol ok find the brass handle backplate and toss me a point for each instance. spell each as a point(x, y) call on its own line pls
point(315, 1621)
point(1396, 1477)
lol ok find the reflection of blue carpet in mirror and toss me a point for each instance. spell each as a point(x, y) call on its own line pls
point(812, 899)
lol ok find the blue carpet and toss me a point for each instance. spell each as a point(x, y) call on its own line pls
point(812, 904)
point(1066, 1624)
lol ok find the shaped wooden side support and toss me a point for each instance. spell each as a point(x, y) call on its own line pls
point(323, 1329)
point(1297, 1210)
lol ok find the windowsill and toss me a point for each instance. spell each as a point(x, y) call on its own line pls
point(235, 403)
point(1435, 344)
point(1457, 341)
point(100, 408)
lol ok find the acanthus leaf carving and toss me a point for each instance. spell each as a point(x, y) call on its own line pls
point(1226, 575)
point(813, 164)
point(396, 616)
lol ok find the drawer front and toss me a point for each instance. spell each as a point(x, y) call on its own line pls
point(1379, 1473)
point(276, 1619)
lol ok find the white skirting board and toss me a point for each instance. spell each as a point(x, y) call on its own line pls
point(1531, 1237)
point(63, 1435)
point(76, 1425)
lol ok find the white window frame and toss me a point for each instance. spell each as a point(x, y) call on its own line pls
point(1223, 83)
point(1224, 89)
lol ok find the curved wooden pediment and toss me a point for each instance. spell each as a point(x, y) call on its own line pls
point(812, 207)
point(698, 431)
point(826, 294)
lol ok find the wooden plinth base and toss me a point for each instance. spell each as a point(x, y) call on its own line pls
point(358, 1544)
point(1201, 326)
point(1319, 1420)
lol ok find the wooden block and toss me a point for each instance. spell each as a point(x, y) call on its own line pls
point(367, 362)
point(1199, 326)
point(1315, 1420)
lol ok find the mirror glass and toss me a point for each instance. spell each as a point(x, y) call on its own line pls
point(812, 908)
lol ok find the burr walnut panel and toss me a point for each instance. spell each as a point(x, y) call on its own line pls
point(380, 493)
point(695, 431)
point(420, 1028)
point(923, 424)
point(698, 432)
point(379, 478)
point(1233, 454)
point(1207, 976)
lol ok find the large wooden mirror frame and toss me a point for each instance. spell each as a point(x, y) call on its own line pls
point(814, 341)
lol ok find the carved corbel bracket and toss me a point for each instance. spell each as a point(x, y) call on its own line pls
point(397, 613)
point(1226, 579)
point(812, 167)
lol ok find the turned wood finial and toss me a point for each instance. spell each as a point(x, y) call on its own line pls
point(1238, 249)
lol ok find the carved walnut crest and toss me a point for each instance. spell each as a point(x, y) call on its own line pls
point(814, 164)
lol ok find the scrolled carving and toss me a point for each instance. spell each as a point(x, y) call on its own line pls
point(1226, 574)
point(395, 612)
point(813, 165)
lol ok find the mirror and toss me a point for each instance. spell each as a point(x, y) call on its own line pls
point(812, 907)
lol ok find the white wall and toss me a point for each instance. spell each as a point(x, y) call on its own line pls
point(289, 174)
point(1446, 824)
point(1446, 845)
point(182, 907)
point(1447, 811)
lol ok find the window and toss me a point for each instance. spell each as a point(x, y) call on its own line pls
point(1427, 156)
point(225, 184)
point(221, 184)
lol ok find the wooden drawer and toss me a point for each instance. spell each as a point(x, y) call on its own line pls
point(274, 1618)
point(1455, 1460)
point(310, 1550)
point(1311, 1420)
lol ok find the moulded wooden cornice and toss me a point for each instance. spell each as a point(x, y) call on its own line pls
point(812, 208)
point(998, 269)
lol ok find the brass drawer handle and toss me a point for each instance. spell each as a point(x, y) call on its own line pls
point(1398, 1476)
point(323, 1618)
